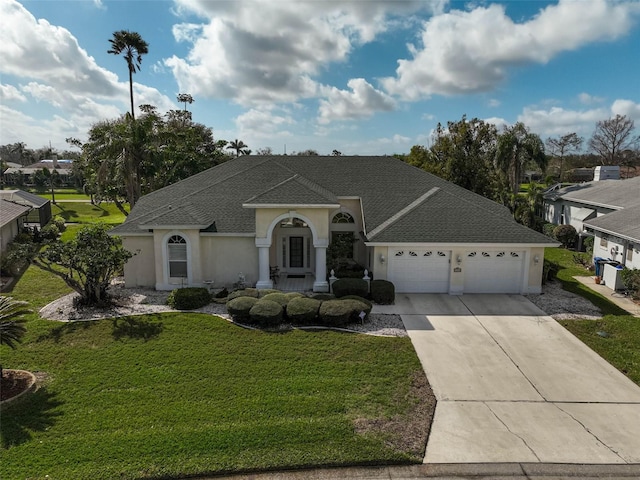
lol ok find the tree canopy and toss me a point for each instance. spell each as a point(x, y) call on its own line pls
point(612, 138)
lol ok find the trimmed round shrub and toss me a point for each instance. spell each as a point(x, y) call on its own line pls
point(548, 229)
point(263, 292)
point(322, 296)
point(360, 299)
point(565, 234)
point(266, 313)
point(292, 295)
point(335, 313)
point(357, 307)
point(303, 310)
point(58, 221)
point(279, 297)
point(240, 307)
point(49, 232)
point(247, 292)
point(383, 292)
point(189, 298)
point(350, 286)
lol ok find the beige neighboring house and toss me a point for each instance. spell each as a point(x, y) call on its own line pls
point(255, 213)
point(12, 218)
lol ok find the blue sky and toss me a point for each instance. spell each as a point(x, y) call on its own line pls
point(362, 77)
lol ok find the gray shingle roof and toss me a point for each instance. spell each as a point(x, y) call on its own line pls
point(23, 198)
point(614, 194)
point(390, 190)
point(9, 211)
point(623, 223)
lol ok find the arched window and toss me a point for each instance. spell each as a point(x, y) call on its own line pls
point(342, 217)
point(177, 250)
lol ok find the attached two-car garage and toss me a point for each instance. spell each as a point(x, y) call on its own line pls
point(421, 270)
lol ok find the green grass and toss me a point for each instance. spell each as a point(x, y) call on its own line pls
point(621, 344)
point(79, 212)
point(186, 394)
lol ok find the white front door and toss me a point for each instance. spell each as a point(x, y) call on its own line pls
point(419, 270)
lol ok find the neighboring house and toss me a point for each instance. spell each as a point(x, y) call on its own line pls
point(64, 167)
point(617, 235)
point(252, 213)
point(40, 207)
point(580, 203)
point(12, 218)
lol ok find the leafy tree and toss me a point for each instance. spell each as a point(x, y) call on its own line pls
point(463, 153)
point(307, 153)
point(612, 137)
point(265, 151)
point(564, 145)
point(165, 149)
point(133, 47)
point(336, 153)
point(11, 326)
point(86, 263)
point(239, 147)
point(185, 98)
point(517, 147)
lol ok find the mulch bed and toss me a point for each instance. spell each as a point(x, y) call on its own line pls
point(13, 383)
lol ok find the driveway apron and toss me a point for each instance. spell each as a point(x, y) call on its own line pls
point(514, 386)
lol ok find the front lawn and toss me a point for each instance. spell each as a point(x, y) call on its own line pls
point(186, 394)
point(84, 212)
point(616, 337)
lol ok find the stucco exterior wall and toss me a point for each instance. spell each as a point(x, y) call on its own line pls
point(139, 271)
point(194, 270)
point(224, 258)
point(319, 217)
point(534, 278)
point(8, 233)
point(627, 252)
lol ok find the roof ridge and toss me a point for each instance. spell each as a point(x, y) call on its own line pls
point(272, 188)
point(398, 215)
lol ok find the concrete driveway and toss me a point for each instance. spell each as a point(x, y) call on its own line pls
point(514, 386)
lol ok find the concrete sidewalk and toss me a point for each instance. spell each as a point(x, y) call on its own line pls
point(617, 298)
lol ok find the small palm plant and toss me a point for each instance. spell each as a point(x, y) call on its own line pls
point(11, 327)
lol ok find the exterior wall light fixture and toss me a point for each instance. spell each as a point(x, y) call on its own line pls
point(382, 259)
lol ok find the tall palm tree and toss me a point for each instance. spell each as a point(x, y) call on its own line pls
point(516, 147)
point(239, 147)
point(133, 47)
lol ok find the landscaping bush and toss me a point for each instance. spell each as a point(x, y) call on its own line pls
point(49, 232)
point(278, 297)
point(565, 234)
point(335, 313)
point(368, 303)
point(246, 292)
point(189, 298)
point(631, 279)
point(548, 229)
point(549, 270)
point(240, 307)
point(224, 293)
point(322, 296)
point(357, 307)
point(587, 243)
point(266, 291)
point(303, 310)
point(58, 221)
point(350, 286)
point(292, 295)
point(383, 292)
point(266, 313)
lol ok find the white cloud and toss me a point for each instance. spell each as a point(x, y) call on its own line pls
point(271, 51)
point(497, 121)
point(10, 93)
point(362, 101)
point(559, 121)
point(626, 107)
point(587, 99)
point(494, 102)
point(263, 123)
point(471, 51)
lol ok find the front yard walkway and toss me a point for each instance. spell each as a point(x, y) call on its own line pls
point(621, 301)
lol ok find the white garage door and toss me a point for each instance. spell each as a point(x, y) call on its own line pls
point(493, 271)
point(419, 271)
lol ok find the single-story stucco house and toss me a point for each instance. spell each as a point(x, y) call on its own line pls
point(12, 218)
point(254, 213)
point(40, 208)
point(579, 203)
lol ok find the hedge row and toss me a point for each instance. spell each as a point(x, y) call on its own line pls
point(274, 308)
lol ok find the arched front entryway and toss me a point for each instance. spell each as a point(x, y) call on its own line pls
point(292, 244)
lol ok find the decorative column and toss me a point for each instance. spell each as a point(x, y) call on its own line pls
point(321, 284)
point(264, 280)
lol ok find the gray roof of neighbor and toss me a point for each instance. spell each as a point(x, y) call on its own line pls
point(624, 223)
point(9, 211)
point(24, 198)
point(615, 194)
point(400, 203)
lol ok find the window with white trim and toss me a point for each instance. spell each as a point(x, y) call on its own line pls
point(177, 253)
